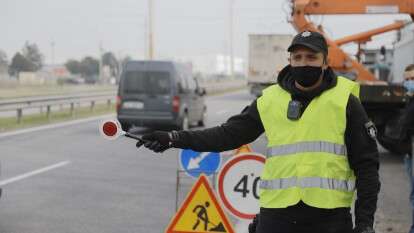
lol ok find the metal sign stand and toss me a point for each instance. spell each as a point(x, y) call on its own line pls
point(178, 184)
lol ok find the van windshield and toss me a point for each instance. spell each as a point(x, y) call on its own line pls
point(147, 82)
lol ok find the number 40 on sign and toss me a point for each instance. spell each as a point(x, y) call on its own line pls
point(238, 184)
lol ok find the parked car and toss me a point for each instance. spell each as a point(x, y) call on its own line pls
point(158, 94)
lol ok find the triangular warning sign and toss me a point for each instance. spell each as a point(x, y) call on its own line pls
point(200, 212)
point(243, 149)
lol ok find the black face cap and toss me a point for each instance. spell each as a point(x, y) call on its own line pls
point(312, 40)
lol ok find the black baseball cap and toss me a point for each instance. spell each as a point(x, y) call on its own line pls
point(312, 40)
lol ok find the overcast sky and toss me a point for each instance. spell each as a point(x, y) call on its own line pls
point(182, 27)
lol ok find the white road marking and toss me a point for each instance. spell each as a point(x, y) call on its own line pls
point(53, 126)
point(33, 173)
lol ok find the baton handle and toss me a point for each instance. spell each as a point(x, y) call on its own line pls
point(136, 137)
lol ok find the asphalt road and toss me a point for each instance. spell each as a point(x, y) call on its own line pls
point(69, 179)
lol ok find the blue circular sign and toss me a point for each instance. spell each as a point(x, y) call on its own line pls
point(195, 163)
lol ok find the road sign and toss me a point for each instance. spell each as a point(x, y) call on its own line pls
point(200, 212)
point(243, 149)
point(195, 163)
point(238, 184)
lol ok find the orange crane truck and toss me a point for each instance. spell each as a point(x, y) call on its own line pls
point(383, 101)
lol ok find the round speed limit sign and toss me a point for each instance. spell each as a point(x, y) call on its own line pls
point(238, 184)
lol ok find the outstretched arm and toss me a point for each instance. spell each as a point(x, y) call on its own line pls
point(238, 130)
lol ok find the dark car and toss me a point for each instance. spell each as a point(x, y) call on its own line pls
point(158, 94)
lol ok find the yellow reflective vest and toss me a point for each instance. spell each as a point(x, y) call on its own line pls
point(307, 158)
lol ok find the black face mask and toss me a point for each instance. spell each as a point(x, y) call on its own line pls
point(306, 76)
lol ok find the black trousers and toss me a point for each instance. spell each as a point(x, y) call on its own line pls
point(279, 222)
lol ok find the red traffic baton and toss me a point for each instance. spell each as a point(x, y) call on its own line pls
point(111, 130)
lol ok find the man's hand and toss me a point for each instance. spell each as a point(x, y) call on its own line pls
point(157, 141)
point(253, 224)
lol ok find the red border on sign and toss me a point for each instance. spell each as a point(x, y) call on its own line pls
point(202, 180)
point(223, 173)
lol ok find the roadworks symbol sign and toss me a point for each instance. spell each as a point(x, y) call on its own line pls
point(200, 212)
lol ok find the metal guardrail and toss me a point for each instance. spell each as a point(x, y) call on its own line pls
point(218, 86)
point(20, 104)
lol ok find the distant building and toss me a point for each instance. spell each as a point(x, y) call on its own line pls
point(223, 65)
point(56, 71)
point(49, 74)
point(3, 69)
point(214, 64)
point(31, 78)
point(4, 72)
point(403, 52)
point(379, 62)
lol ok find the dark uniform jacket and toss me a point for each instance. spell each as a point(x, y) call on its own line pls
point(407, 127)
point(361, 146)
point(398, 136)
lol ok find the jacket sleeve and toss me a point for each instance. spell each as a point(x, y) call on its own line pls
point(363, 159)
point(408, 123)
point(238, 130)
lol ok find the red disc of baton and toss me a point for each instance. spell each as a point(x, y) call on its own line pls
point(109, 128)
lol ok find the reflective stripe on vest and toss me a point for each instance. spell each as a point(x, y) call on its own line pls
point(308, 182)
point(317, 146)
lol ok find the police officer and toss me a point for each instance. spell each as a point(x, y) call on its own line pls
point(407, 128)
point(321, 147)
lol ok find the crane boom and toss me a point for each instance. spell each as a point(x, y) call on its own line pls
point(366, 36)
point(382, 100)
point(338, 59)
point(359, 7)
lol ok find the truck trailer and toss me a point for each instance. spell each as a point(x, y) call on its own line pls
point(267, 56)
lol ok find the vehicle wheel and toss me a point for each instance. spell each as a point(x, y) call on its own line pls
point(125, 126)
point(202, 121)
point(185, 124)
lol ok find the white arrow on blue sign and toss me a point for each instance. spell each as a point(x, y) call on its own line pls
point(195, 163)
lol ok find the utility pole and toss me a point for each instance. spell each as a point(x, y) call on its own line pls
point(52, 57)
point(100, 63)
point(150, 30)
point(231, 40)
point(146, 41)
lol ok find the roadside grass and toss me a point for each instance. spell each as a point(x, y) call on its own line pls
point(10, 123)
point(18, 91)
point(233, 89)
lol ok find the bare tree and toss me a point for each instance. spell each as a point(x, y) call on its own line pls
point(32, 54)
point(73, 66)
point(110, 60)
point(18, 64)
